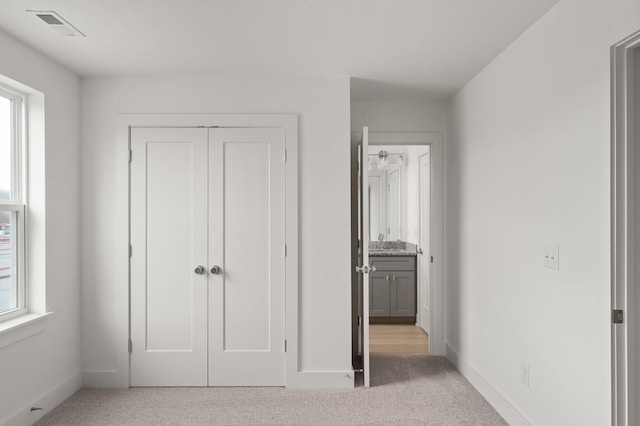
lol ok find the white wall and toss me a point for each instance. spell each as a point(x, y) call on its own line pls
point(399, 116)
point(528, 164)
point(43, 369)
point(323, 108)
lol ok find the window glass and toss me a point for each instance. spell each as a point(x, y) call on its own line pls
point(8, 277)
point(6, 148)
point(12, 282)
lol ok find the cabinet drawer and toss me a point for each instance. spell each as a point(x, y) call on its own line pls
point(393, 263)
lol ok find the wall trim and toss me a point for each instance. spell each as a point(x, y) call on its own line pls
point(101, 379)
point(435, 141)
point(624, 190)
point(507, 410)
point(47, 401)
point(121, 376)
point(324, 380)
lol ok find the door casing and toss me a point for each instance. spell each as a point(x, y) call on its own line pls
point(289, 122)
point(437, 344)
point(625, 228)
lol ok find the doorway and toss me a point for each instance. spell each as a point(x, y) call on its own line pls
point(625, 297)
point(203, 201)
point(403, 243)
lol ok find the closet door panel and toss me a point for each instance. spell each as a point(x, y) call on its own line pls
point(247, 237)
point(169, 239)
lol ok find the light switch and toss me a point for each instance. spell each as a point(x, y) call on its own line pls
point(552, 256)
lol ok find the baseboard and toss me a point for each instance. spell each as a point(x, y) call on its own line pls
point(486, 389)
point(47, 401)
point(324, 380)
point(104, 379)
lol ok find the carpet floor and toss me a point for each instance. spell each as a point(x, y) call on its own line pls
point(406, 390)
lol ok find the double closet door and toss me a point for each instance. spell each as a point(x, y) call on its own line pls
point(207, 264)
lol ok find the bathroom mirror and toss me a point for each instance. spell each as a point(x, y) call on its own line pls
point(385, 194)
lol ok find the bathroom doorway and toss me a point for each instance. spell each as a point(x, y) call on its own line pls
point(403, 233)
point(399, 244)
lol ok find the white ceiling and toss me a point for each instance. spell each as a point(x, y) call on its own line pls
point(405, 48)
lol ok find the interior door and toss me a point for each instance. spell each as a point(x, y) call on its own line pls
point(169, 240)
point(208, 257)
point(364, 266)
point(246, 245)
point(424, 252)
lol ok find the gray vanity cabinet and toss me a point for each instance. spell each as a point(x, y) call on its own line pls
point(392, 289)
point(379, 300)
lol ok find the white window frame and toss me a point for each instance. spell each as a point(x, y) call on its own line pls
point(17, 203)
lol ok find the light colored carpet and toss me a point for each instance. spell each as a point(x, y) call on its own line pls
point(406, 390)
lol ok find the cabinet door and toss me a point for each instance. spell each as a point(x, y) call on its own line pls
point(379, 294)
point(402, 293)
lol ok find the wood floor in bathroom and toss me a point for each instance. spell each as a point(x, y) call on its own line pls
point(397, 339)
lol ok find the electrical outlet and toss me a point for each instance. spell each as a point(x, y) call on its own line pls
point(524, 374)
point(552, 256)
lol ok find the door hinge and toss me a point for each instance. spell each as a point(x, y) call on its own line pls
point(284, 155)
point(130, 155)
point(618, 316)
point(285, 345)
point(130, 250)
point(130, 346)
point(359, 321)
point(284, 250)
point(431, 259)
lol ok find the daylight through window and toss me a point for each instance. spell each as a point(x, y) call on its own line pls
point(12, 208)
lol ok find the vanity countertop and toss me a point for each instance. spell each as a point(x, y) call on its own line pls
point(392, 248)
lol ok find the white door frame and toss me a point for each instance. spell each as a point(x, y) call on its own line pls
point(122, 229)
point(434, 140)
point(624, 236)
point(421, 320)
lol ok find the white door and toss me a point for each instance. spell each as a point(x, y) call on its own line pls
point(364, 232)
point(246, 240)
point(424, 257)
point(169, 240)
point(207, 232)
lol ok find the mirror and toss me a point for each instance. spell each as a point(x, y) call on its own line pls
point(385, 193)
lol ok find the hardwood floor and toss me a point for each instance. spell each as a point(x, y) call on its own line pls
point(397, 339)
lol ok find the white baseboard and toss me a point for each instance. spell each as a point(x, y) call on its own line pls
point(324, 380)
point(486, 389)
point(47, 401)
point(104, 379)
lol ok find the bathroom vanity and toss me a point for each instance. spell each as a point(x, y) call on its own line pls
point(392, 287)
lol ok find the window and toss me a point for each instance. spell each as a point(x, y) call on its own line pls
point(12, 206)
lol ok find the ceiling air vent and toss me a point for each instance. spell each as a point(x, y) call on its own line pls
point(57, 23)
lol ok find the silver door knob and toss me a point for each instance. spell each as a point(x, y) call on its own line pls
point(215, 269)
point(200, 270)
point(364, 269)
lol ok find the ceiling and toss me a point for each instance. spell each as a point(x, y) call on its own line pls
point(393, 48)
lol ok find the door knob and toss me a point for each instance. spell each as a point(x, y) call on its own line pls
point(215, 269)
point(200, 270)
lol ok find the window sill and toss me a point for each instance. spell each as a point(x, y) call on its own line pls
point(22, 327)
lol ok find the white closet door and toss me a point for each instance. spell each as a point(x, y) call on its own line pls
point(246, 240)
point(169, 239)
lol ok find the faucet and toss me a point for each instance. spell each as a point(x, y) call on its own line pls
point(381, 237)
